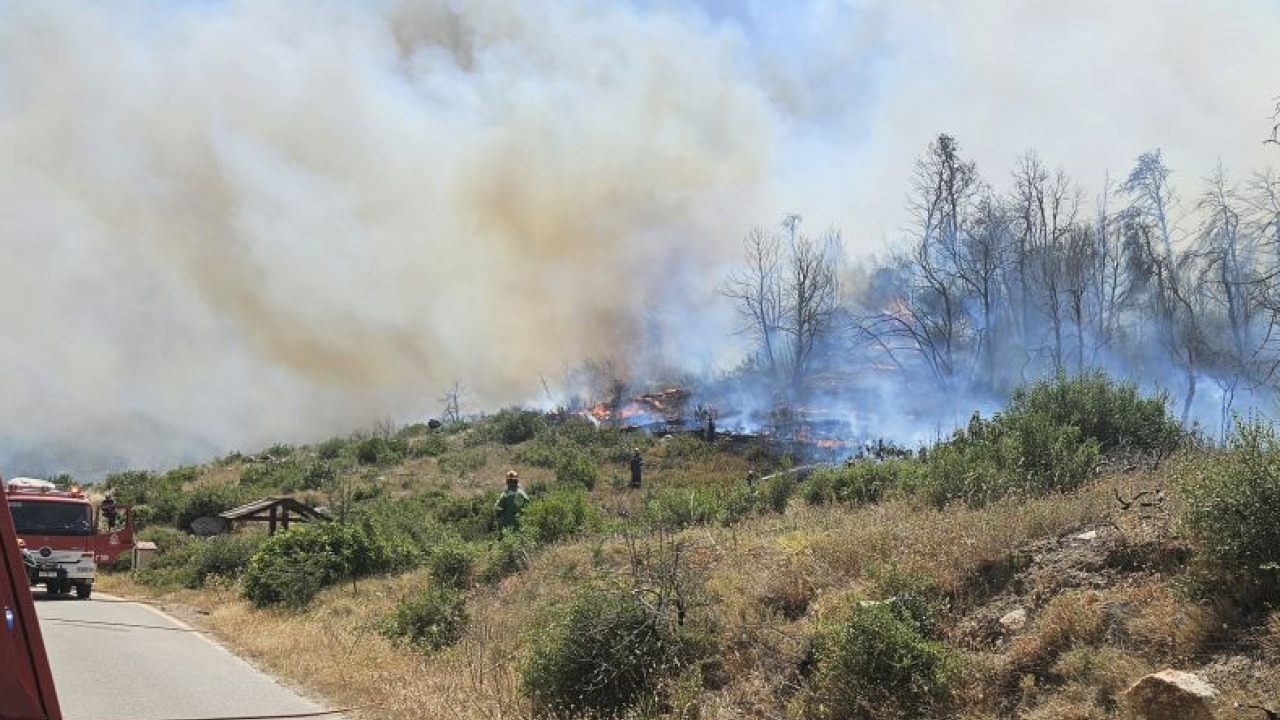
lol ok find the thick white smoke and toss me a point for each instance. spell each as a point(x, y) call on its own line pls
point(232, 222)
point(228, 222)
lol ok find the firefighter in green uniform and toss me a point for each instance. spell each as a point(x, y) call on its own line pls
point(510, 504)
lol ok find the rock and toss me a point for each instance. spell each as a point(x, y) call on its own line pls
point(1087, 535)
point(1014, 620)
point(1170, 695)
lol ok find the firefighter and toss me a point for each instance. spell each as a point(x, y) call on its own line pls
point(109, 510)
point(510, 504)
point(637, 467)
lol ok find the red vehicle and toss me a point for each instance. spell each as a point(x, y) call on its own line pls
point(26, 685)
point(58, 531)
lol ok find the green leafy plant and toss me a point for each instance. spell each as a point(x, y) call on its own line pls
point(603, 655)
point(452, 563)
point(558, 515)
point(430, 621)
point(290, 567)
point(1233, 509)
point(877, 663)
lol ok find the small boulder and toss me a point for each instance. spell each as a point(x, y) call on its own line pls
point(1086, 536)
point(1170, 695)
point(1014, 620)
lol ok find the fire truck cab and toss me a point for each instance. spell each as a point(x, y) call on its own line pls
point(57, 532)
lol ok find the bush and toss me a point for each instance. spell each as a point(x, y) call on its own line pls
point(575, 467)
point(1022, 453)
point(507, 556)
point(543, 452)
point(514, 425)
point(1110, 412)
point(776, 492)
point(1233, 511)
point(332, 449)
point(433, 445)
point(558, 515)
point(604, 655)
point(209, 500)
point(290, 567)
point(877, 663)
point(430, 621)
point(861, 482)
point(162, 494)
point(473, 518)
point(287, 476)
point(682, 508)
point(186, 561)
point(451, 564)
point(377, 451)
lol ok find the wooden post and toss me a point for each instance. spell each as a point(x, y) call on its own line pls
point(286, 518)
point(271, 530)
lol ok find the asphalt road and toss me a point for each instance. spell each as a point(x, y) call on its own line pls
point(116, 660)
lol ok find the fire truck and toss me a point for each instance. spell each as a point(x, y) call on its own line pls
point(26, 685)
point(58, 532)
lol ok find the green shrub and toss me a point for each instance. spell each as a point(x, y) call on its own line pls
point(876, 663)
point(288, 476)
point(432, 445)
point(776, 492)
point(507, 556)
point(430, 621)
point(575, 467)
point(473, 518)
point(819, 489)
point(413, 430)
point(686, 447)
point(162, 494)
point(543, 451)
point(1233, 509)
point(209, 500)
point(223, 555)
point(290, 567)
point(558, 515)
point(738, 504)
point(916, 598)
point(604, 654)
point(1024, 453)
point(452, 563)
point(1112, 413)
point(680, 508)
point(861, 482)
point(186, 561)
point(332, 449)
point(515, 425)
point(377, 451)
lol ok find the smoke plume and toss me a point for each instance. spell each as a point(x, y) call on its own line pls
point(234, 222)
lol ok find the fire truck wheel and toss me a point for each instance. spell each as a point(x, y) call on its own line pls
point(84, 591)
point(57, 588)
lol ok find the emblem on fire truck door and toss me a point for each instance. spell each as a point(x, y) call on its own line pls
point(115, 539)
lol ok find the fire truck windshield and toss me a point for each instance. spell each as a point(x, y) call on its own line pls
point(51, 518)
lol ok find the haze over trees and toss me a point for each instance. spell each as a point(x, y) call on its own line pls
point(1001, 279)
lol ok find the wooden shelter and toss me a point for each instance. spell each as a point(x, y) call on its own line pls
point(273, 510)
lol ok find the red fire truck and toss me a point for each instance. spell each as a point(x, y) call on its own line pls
point(58, 531)
point(26, 685)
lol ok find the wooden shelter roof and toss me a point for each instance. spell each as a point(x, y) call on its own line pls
point(261, 510)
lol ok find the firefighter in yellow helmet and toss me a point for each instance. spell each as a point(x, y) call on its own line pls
point(510, 504)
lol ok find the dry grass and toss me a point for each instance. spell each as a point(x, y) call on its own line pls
point(1071, 620)
point(769, 582)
